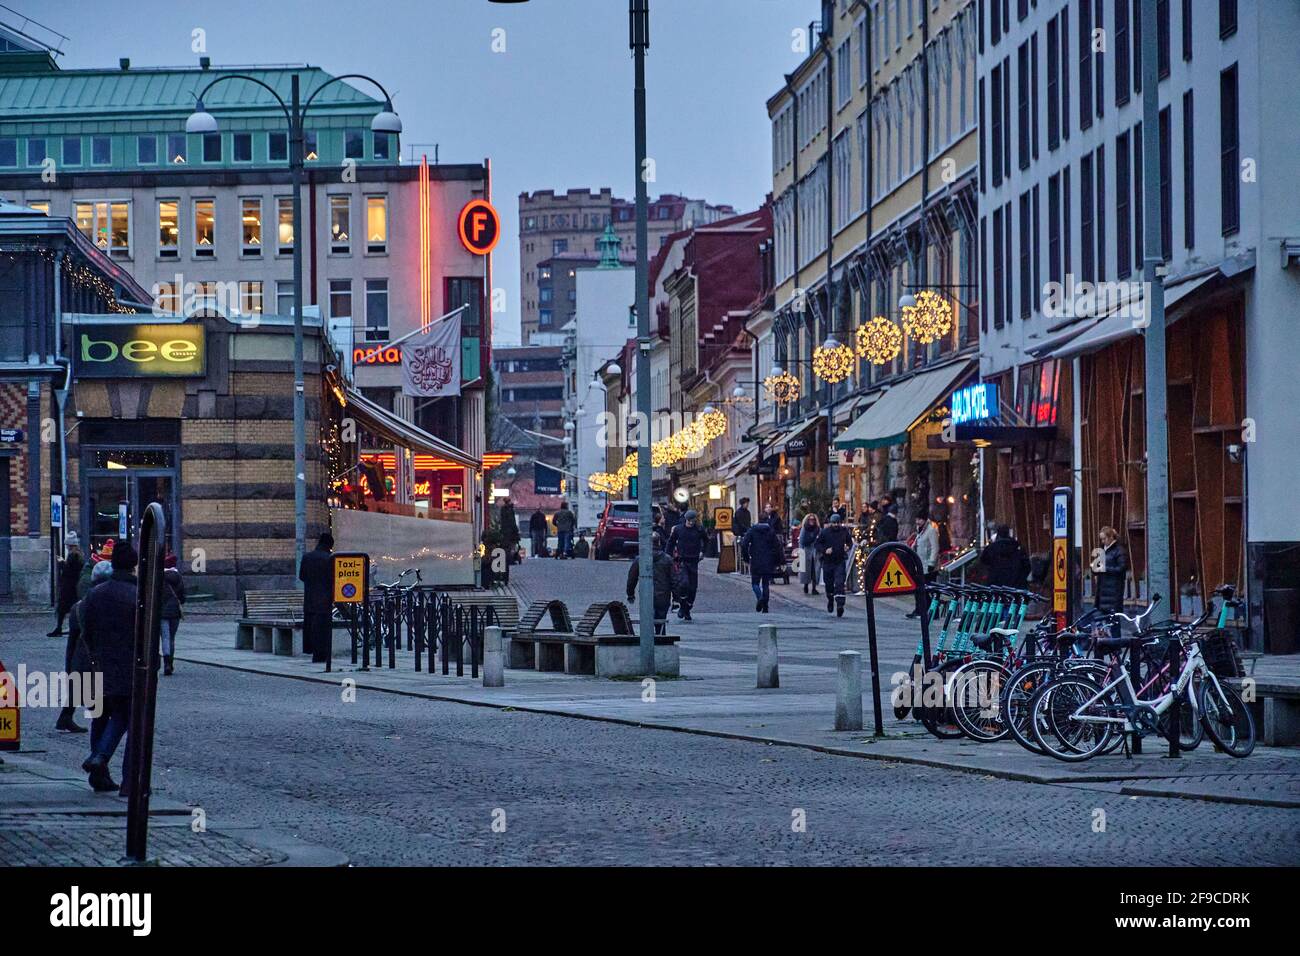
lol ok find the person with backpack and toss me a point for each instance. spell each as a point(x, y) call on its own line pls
point(661, 566)
point(762, 550)
point(173, 598)
point(1005, 560)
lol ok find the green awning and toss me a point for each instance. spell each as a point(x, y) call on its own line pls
point(905, 403)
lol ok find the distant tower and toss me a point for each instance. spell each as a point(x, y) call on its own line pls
point(609, 245)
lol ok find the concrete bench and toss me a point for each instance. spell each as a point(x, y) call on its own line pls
point(1276, 709)
point(272, 623)
point(533, 648)
point(617, 654)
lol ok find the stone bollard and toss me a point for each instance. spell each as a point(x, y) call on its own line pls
point(848, 692)
point(494, 673)
point(768, 674)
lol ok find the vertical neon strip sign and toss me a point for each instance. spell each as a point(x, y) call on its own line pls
point(426, 312)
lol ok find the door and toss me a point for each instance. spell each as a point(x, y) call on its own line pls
point(107, 491)
point(6, 593)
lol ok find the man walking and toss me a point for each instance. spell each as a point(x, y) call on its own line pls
point(686, 544)
point(69, 574)
point(108, 630)
point(510, 532)
point(1005, 560)
point(832, 546)
point(317, 576)
point(662, 567)
point(537, 532)
point(565, 521)
point(927, 549)
point(887, 522)
point(742, 520)
point(762, 551)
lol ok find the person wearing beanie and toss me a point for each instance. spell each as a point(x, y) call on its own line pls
point(69, 574)
point(833, 546)
point(173, 598)
point(686, 547)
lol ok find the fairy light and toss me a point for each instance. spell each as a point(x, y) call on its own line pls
point(782, 388)
point(832, 362)
point(879, 341)
point(929, 319)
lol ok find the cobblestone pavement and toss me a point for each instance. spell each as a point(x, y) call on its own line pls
point(70, 840)
point(389, 779)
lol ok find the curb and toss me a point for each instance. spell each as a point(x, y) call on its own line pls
point(1015, 775)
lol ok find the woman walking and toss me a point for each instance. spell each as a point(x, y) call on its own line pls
point(808, 531)
point(69, 574)
point(173, 598)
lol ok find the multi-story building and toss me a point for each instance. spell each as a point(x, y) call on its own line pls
point(874, 158)
point(1062, 213)
point(571, 224)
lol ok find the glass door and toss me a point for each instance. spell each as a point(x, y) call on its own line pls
point(134, 478)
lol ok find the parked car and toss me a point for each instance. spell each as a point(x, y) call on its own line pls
point(616, 531)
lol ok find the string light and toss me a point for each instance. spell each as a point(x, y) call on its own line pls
point(879, 341)
point(782, 387)
point(709, 425)
point(929, 319)
point(832, 362)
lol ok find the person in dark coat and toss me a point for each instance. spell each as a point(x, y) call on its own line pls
point(742, 520)
point(762, 550)
point(565, 521)
point(887, 523)
point(69, 574)
point(662, 567)
point(509, 532)
point(76, 659)
point(686, 545)
point(1005, 560)
point(108, 629)
point(809, 529)
point(173, 598)
point(832, 546)
point(317, 576)
point(1109, 572)
point(537, 530)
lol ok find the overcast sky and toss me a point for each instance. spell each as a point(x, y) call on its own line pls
point(552, 111)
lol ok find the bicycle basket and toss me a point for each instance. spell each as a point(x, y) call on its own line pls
point(1219, 648)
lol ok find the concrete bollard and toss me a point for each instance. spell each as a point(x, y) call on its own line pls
point(494, 671)
point(848, 692)
point(768, 674)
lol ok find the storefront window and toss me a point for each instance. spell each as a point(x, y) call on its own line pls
point(251, 224)
point(204, 227)
point(1038, 398)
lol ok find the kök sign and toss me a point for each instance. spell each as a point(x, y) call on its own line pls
point(140, 351)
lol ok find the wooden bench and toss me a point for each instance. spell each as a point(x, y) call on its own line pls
point(617, 654)
point(505, 606)
point(534, 648)
point(272, 623)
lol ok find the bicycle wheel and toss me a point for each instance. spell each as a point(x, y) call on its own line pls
point(1226, 719)
point(976, 695)
point(1056, 727)
point(1017, 692)
point(939, 720)
point(1191, 729)
point(903, 693)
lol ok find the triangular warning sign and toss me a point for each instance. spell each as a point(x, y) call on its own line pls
point(893, 579)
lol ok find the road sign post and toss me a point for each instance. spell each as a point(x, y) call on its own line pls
point(137, 770)
point(893, 570)
point(351, 573)
point(1064, 604)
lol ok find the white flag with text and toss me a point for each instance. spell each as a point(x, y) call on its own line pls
point(431, 361)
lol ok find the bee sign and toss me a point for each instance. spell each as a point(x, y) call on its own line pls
point(351, 578)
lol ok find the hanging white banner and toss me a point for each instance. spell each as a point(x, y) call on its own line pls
point(431, 361)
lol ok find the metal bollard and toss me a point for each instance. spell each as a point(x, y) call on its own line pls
point(848, 692)
point(494, 669)
point(768, 673)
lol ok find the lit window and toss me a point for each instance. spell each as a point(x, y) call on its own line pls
point(250, 298)
point(284, 223)
point(212, 147)
point(146, 150)
point(35, 152)
point(169, 230)
point(205, 232)
point(309, 145)
point(72, 151)
point(251, 226)
point(340, 224)
point(40, 205)
point(277, 147)
point(376, 310)
point(354, 144)
point(166, 299)
point(101, 150)
point(241, 147)
point(176, 148)
point(107, 225)
point(376, 224)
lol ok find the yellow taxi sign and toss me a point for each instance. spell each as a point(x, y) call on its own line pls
point(351, 578)
point(1060, 573)
point(10, 734)
point(893, 578)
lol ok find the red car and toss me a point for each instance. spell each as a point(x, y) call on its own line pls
point(616, 530)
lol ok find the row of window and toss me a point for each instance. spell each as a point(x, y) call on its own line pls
point(246, 297)
point(561, 220)
point(999, 24)
point(175, 148)
point(107, 223)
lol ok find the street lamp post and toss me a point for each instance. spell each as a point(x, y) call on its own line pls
point(639, 40)
point(385, 121)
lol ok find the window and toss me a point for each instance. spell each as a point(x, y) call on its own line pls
point(1065, 74)
point(376, 310)
point(1189, 173)
point(1138, 250)
point(1085, 64)
point(1033, 96)
point(844, 72)
point(277, 147)
point(241, 147)
point(354, 144)
point(1099, 168)
point(176, 148)
point(166, 298)
point(1121, 53)
point(466, 291)
point(545, 294)
point(340, 299)
point(1067, 225)
point(40, 205)
point(146, 150)
point(998, 303)
point(309, 153)
point(543, 272)
point(35, 152)
point(212, 147)
point(1187, 29)
point(1162, 37)
point(205, 232)
point(383, 145)
point(1166, 186)
point(1229, 145)
point(1099, 67)
point(169, 228)
point(284, 224)
point(250, 224)
point(1123, 239)
point(1087, 222)
point(1022, 105)
point(8, 152)
point(340, 224)
point(376, 224)
point(1053, 87)
point(107, 224)
point(284, 297)
point(1054, 229)
point(544, 318)
point(1227, 18)
point(995, 131)
point(1026, 263)
point(72, 151)
point(559, 246)
point(1137, 45)
point(250, 298)
point(101, 150)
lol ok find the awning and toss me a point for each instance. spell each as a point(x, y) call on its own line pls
point(1120, 323)
point(794, 431)
point(383, 424)
point(888, 421)
point(847, 411)
point(737, 464)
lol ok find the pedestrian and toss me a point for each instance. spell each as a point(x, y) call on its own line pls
point(173, 598)
point(510, 532)
point(742, 520)
point(833, 546)
point(69, 574)
point(108, 630)
point(838, 508)
point(661, 566)
point(762, 550)
point(317, 576)
point(565, 522)
point(672, 517)
point(581, 547)
point(686, 546)
point(1109, 572)
point(1005, 560)
point(808, 532)
point(887, 522)
point(927, 549)
point(537, 529)
point(777, 525)
point(75, 657)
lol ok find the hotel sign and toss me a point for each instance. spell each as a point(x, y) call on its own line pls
point(140, 351)
point(974, 403)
